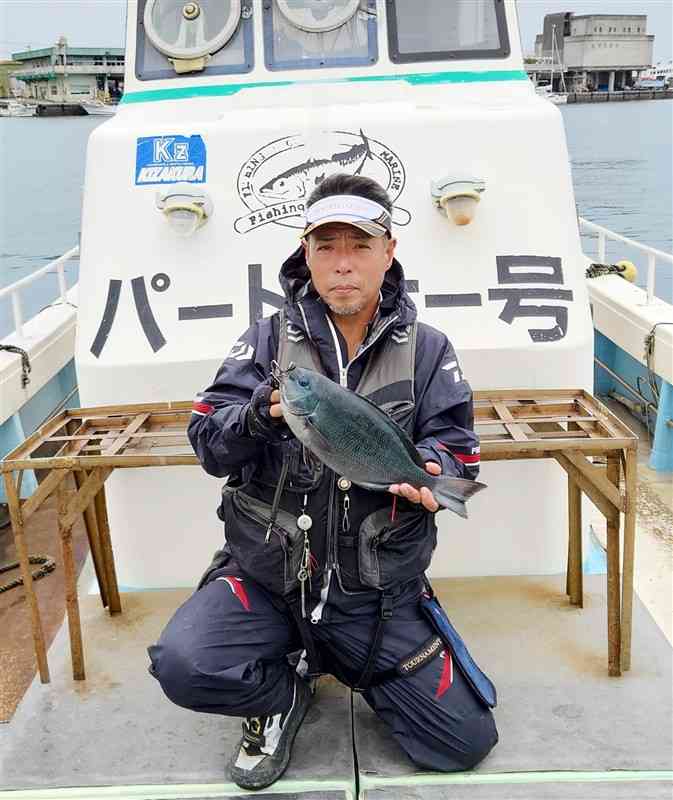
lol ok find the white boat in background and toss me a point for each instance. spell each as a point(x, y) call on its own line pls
point(545, 90)
point(98, 109)
point(14, 108)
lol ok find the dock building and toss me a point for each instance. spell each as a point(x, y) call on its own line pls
point(64, 74)
point(6, 83)
point(596, 52)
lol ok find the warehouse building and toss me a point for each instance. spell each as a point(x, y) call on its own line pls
point(64, 74)
point(597, 52)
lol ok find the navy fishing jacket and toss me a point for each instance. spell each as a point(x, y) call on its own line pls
point(443, 427)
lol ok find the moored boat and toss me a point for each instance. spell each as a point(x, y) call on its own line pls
point(14, 108)
point(97, 108)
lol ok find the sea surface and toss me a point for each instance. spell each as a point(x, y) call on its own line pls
point(621, 156)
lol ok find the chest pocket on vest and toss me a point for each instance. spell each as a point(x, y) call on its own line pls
point(392, 552)
point(276, 563)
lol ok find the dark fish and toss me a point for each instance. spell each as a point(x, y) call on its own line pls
point(353, 437)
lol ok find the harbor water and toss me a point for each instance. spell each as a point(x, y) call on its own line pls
point(622, 164)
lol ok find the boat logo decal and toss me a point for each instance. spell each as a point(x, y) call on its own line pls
point(275, 182)
point(170, 159)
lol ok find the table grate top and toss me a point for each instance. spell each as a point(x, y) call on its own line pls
point(155, 434)
point(547, 419)
point(124, 435)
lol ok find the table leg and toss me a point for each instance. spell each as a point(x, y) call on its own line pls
point(93, 536)
point(16, 519)
point(70, 578)
point(631, 490)
point(575, 583)
point(614, 631)
point(108, 555)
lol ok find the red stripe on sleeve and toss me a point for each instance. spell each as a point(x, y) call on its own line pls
point(203, 408)
point(466, 459)
point(462, 457)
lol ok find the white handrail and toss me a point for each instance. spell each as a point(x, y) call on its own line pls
point(13, 290)
point(652, 253)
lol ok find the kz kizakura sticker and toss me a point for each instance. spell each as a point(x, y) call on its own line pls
point(275, 182)
point(170, 159)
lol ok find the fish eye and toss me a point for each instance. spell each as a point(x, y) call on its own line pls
point(303, 381)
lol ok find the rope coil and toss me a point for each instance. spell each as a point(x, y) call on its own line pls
point(48, 565)
point(25, 361)
point(594, 270)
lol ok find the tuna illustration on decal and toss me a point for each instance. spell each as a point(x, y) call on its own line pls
point(299, 181)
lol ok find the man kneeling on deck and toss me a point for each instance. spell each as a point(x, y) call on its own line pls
point(307, 581)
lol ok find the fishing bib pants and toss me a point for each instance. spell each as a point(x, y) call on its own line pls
point(225, 651)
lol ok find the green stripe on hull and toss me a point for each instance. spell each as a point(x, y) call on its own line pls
point(415, 79)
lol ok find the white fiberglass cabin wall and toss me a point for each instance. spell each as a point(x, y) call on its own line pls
point(236, 109)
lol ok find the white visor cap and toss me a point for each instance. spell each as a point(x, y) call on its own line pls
point(367, 215)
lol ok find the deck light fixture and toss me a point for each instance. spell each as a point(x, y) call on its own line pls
point(186, 209)
point(458, 197)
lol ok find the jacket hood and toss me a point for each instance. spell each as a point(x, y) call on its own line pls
point(295, 280)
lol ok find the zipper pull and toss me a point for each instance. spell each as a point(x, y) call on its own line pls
point(268, 533)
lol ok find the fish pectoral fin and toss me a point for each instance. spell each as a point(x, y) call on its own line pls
point(317, 437)
point(375, 487)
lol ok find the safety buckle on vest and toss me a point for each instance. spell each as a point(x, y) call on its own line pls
point(386, 606)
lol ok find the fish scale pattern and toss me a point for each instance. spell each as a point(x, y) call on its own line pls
point(371, 447)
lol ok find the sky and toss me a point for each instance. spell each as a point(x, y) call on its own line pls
point(100, 23)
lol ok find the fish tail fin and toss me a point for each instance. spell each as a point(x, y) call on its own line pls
point(365, 141)
point(452, 493)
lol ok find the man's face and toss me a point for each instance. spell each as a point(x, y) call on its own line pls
point(348, 266)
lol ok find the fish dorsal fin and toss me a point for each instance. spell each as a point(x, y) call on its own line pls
point(403, 435)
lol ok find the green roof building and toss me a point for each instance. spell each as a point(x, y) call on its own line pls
point(64, 74)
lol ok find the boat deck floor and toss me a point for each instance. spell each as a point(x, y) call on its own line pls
point(566, 729)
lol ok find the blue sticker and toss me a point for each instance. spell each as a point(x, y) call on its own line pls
point(170, 159)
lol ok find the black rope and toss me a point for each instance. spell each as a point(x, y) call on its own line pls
point(25, 361)
point(594, 270)
point(48, 566)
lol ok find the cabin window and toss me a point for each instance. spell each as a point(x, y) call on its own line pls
point(309, 34)
point(439, 31)
point(211, 37)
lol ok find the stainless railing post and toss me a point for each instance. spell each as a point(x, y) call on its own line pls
point(16, 312)
point(651, 276)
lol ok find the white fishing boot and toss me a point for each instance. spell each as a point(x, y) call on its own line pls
point(263, 753)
